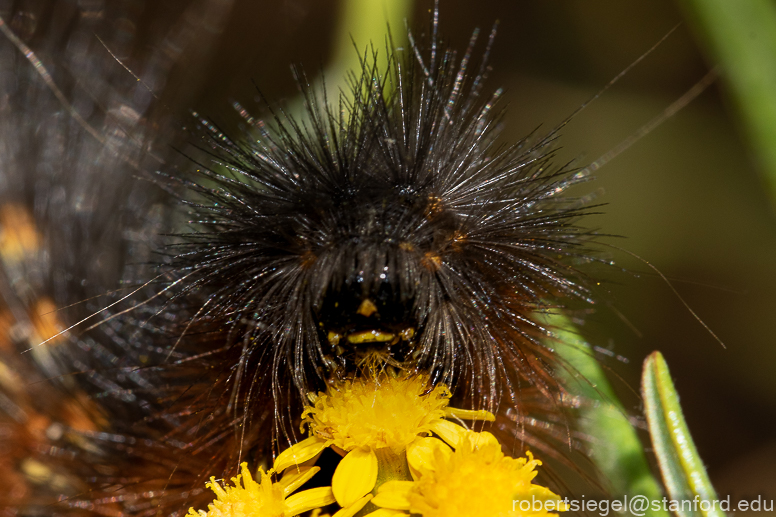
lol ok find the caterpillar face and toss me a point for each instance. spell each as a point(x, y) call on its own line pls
point(371, 270)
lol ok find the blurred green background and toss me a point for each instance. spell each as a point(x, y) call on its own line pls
point(688, 197)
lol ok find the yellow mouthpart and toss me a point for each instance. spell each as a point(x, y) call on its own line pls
point(370, 336)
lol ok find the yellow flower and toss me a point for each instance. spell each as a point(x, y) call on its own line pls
point(474, 480)
point(265, 499)
point(395, 439)
point(373, 420)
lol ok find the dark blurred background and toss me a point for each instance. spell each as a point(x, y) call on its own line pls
point(687, 197)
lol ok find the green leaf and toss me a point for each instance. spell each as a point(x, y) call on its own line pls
point(365, 22)
point(620, 456)
point(362, 28)
point(741, 37)
point(683, 472)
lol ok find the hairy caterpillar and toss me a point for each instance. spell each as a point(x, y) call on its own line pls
point(106, 370)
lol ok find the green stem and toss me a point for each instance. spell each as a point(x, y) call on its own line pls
point(390, 467)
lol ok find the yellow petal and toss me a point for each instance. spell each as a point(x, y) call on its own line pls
point(479, 440)
point(354, 508)
point(298, 453)
point(294, 478)
point(540, 493)
point(394, 495)
point(449, 432)
point(421, 453)
point(355, 476)
point(308, 500)
point(469, 414)
point(385, 512)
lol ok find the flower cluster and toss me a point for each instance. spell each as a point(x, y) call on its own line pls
point(401, 455)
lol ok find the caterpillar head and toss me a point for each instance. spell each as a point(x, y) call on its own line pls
point(393, 229)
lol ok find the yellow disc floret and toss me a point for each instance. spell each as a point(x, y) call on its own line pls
point(474, 480)
point(386, 411)
point(246, 498)
point(478, 481)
